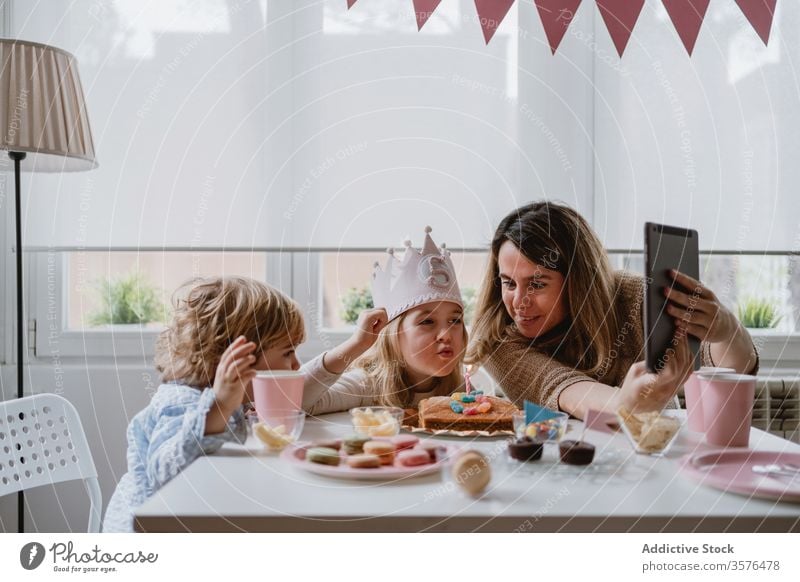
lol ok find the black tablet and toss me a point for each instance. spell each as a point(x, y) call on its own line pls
point(665, 248)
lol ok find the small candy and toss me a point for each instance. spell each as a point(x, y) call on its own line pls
point(457, 395)
point(480, 399)
point(470, 411)
point(476, 393)
point(456, 407)
point(484, 407)
point(467, 398)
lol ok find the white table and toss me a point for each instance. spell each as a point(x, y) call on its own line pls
point(244, 488)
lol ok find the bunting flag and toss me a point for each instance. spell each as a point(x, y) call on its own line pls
point(556, 16)
point(491, 13)
point(620, 17)
point(687, 16)
point(760, 14)
point(423, 10)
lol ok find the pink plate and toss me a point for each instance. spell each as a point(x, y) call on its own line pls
point(732, 470)
point(296, 455)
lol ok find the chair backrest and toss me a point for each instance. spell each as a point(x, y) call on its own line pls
point(41, 443)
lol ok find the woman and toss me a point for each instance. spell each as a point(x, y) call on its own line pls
point(557, 326)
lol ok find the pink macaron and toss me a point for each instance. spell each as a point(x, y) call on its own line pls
point(412, 458)
point(404, 441)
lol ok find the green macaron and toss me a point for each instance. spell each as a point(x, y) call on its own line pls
point(323, 456)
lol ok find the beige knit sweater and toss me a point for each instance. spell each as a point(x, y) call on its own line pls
point(539, 372)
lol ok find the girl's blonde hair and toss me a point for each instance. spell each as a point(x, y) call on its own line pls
point(386, 368)
point(557, 238)
point(213, 313)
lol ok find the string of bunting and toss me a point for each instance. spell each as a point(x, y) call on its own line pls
point(619, 16)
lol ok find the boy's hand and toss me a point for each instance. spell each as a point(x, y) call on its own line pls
point(369, 325)
point(234, 372)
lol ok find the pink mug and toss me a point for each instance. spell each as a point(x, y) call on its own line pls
point(728, 408)
point(694, 399)
point(277, 391)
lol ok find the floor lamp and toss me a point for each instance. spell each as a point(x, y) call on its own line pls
point(44, 123)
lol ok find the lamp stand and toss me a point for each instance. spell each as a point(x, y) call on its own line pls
point(18, 157)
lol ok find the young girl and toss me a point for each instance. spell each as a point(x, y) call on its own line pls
point(556, 325)
point(221, 334)
point(418, 334)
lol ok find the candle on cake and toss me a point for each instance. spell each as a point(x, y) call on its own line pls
point(467, 382)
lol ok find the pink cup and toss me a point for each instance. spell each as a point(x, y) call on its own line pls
point(277, 391)
point(694, 400)
point(728, 408)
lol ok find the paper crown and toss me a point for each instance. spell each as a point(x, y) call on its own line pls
point(419, 277)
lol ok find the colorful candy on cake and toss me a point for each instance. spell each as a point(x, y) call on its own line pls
point(466, 411)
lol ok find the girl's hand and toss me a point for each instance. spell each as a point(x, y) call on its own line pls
point(698, 311)
point(234, 372)
point(369, 325)
point(643, 391)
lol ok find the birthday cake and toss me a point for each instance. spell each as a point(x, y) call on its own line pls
point(463, 411)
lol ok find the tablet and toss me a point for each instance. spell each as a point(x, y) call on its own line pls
point(665, 248)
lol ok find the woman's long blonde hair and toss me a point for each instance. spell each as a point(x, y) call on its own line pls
point(556, 237)
point(213, 313)
point(386, 368)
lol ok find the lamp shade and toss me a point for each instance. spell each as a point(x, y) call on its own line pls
point(42, 108)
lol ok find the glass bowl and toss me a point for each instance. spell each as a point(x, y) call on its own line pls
point(551, 430)
point(377, 421)
point(651, 433)
point(283, 427)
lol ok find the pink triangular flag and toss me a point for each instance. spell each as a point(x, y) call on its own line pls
point(687, 16)
point(491, 13)
point(556, 16)
point(423, 10)
point(350, 3)
point(600, 421)
point(759, 13)
point(620, 17)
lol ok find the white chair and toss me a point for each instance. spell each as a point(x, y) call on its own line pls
point(41, 443)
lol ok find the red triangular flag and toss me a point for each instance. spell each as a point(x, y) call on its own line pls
point(423, 10)
point(556, 16)
point(687, 16)
point(350, 4)
point(491, 13)
point(759, 13)
point(620, 17)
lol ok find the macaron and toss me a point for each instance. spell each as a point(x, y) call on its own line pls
point(472, 472)
point(364, 461)
point(383, 449)
point(354, 445)
point(412, 458)
point(323, 456)
point(334, 444)
point(404, 441)
point(432, 448)
point(576, 452)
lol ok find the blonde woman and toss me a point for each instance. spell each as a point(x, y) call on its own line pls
point(416, 333)
point(222, 332)
point(557, 326)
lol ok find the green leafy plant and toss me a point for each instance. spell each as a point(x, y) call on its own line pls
point(127, 299)
point(354, 301)
point(758, 313)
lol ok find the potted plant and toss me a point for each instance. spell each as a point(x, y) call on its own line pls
point(353, 302)
point(759, 314)
point(127, 300)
